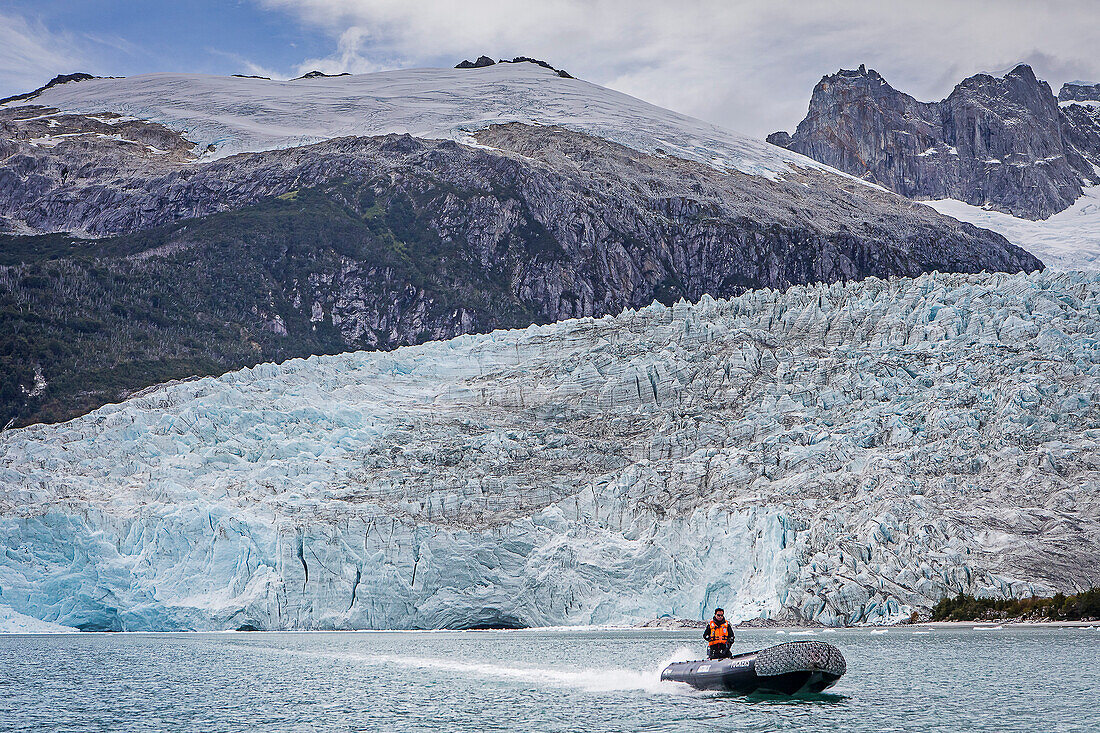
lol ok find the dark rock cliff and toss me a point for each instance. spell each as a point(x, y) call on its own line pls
point(1081, 130)
point(998, 142)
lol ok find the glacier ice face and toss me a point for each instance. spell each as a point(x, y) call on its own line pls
point(247, 115)
point(12, 622)
point(840, 454)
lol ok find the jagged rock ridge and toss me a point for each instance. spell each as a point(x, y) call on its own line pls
point(997, 142)
point(59, 79)
point(1079, 92)
point(483, 61)
point(315, 74)
point(480, 63)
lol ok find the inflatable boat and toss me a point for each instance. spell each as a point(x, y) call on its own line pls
point(786, 669)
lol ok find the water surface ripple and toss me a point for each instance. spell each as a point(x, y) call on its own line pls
point(1013, 679)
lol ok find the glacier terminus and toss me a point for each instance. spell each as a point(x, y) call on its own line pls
point(840, 454)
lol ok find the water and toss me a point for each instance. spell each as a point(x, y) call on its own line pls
point(1009, 679)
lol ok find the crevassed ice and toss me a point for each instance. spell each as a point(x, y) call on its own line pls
point(12, 622)
point(241, 115)
point(842, 454)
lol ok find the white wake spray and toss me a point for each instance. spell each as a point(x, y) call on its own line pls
point(591, 679)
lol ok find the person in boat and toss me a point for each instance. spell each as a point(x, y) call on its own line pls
point(719, 636)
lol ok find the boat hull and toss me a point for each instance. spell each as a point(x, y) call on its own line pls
point(785, 669)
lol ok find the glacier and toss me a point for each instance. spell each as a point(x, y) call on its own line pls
point(12, 622)
point(840, 454)
point(236, 115)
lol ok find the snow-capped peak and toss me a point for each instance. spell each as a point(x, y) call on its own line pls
point(236, 114)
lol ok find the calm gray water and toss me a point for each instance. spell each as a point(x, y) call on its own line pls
point(1043, 680)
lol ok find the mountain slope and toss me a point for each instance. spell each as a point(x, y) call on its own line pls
point(1069, 239)
point(380, 242)
point(835, 453)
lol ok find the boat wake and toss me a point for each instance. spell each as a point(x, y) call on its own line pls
point(592, 679)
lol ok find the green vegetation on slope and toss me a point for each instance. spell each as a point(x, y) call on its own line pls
point(98, 319)
point(1082, 606)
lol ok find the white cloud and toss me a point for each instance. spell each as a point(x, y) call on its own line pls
point(245, 65)
point(348, 57)
point(748, 65)
point(30, 55)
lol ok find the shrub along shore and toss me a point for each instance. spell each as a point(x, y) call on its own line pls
point(1080, 607)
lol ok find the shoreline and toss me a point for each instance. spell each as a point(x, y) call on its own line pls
point(778, 627)
point(1002, 622)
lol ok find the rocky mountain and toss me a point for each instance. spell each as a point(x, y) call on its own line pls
point(1002, 143)
point(1079, 91)
point(845, 453)
point(59, 79)
point(483, 61)
point(187, 261)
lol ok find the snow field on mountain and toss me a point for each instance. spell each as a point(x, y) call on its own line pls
point(841, 454)
point(1069, 240)
point(247, 115)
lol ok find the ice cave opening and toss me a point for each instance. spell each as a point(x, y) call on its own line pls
point(486, 619)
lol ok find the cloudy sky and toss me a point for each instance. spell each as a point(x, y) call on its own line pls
point(746, 65)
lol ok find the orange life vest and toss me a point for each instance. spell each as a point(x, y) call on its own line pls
point(719, 633)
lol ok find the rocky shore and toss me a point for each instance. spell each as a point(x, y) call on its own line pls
point(669, 622)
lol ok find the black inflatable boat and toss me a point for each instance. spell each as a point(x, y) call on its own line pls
point(787, 669)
